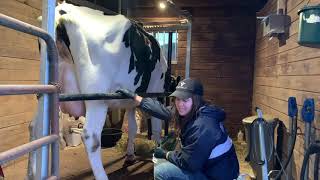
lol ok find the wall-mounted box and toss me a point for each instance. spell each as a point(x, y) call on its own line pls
point(309, 26)
point(275, 24)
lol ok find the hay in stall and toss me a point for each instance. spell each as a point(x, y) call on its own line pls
point(70, 133)
point(143, 146)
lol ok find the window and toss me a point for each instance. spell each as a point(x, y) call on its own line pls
point(163, 39)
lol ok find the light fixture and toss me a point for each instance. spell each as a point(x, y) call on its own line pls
point(162, 4)
point(170, 5)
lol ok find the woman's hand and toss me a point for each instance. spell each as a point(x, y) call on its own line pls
point(160, 153)
point(131, 95)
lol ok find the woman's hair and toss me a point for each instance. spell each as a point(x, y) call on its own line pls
point(197, 102)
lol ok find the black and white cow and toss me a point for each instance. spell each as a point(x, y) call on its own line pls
point(108, 53)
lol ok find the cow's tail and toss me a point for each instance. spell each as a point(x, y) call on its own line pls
point(79, 48)
point(1, 173)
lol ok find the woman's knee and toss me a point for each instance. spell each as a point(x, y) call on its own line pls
point(167, 171)
point(158, 172)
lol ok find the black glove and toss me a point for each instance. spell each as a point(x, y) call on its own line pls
point(127, 93)
point(160, 153)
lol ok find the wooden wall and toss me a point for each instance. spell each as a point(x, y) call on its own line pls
point(222, 58)
point(284, 71)
point(222, 55)
point(19, 64)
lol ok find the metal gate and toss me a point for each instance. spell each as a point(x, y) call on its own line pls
point(48, 89)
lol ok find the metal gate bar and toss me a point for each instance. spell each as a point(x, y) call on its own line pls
point(26, 89)
point(53, 97)
point(13, 153)
point(105, 96)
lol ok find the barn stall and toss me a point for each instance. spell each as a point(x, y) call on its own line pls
point(241, 64)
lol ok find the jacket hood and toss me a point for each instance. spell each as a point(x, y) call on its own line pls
point(212, 110)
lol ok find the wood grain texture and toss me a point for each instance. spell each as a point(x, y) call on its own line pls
point(284, 71)
point(19, 64)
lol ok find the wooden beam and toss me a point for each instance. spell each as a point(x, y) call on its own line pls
point(92, 5)
point(193, 3)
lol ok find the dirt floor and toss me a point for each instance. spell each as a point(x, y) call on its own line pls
point(75, 165)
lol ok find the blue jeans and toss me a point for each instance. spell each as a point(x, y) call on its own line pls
point(165, 170)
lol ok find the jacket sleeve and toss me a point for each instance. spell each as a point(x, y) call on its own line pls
point(156, 109)
point(196, 152)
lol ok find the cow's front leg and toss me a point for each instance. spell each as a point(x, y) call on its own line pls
point(95, 118)
point(132, 132)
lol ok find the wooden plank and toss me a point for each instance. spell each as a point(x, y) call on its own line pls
point(215, 58)
point(12, 108)
point(228, 11)
point(219, 19)
point(296, 54)
point(20, 11)
point(8, 34)
point(14, 130)
point(234, 103)
point(223, 72)
point(284, 94)
point(16, 119)
point(214, 89)
point(19, 52)
point(240, 66)
point(220, 51)
point(226, 25)
point(23, 43)
point(292, 4)
point(303, 83)
point(36, 4)
point(9, 142)
point(263, 54)
point(271, 6)
point(17, 98)
point(298, 68)
point(21, 82)
point(232, 83)
point(232, 43)
point(15, 63)
point(211, 36)
point(15, 75)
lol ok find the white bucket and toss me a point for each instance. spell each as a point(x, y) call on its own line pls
point(74, 138)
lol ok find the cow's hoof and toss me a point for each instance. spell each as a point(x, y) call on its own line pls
point(130, 160)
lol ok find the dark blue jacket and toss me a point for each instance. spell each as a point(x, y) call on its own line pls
point(198, 138)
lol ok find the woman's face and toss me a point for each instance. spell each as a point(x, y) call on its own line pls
point(184, 106)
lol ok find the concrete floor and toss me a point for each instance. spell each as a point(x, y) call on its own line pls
point(74, 165)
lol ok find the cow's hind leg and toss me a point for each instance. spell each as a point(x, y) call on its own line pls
point(95, 118)
point(132, 132)
point(156, 125)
